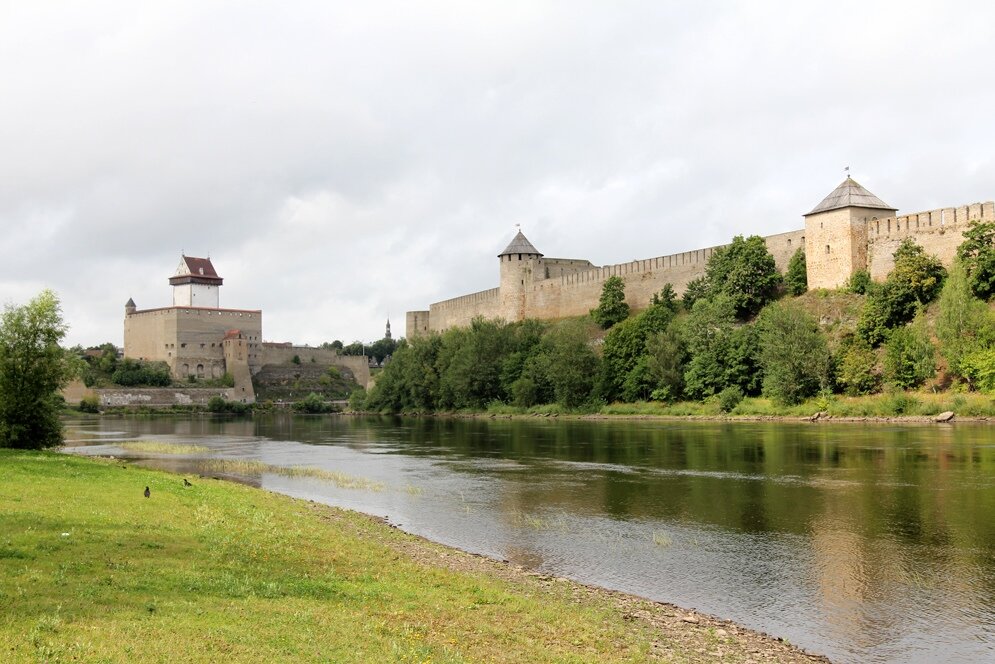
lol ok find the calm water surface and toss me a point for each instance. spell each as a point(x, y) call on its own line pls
point(867, 543)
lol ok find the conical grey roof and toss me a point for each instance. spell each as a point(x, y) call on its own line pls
point(850, 194)
point(129, 303)
point(520, 245)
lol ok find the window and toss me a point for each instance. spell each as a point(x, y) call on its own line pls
point(827, 248)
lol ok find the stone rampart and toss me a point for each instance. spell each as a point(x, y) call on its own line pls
point(283, 354)
point(939, 232)
point(460, 311)
point(161, 396)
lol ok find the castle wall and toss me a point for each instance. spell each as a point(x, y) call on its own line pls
point(274, 354)
point(460, 311)
point(416, 324)
point(189, 339)
point(939, 232)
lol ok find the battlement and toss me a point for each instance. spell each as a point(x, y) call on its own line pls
point(479, 297)
point(932, 220)
point(196, 311)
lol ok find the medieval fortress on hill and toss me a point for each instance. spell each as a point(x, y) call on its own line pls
point(197, 338)
point(850, 230)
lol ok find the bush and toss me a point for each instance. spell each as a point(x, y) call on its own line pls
point(909, 359)
point(218, 404)
point(793, 354)
point(978, 368)
point(745, 271)
point(137, 373)
point(89, 404)
point(296, 359)
point(729, 398)
point(697, 289)
point(313, 404)
point(859, 282)
point(357, 400)
point(977, 253)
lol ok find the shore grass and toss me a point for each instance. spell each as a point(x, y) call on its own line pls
point(90, 570)
point(251, 467)
point(160, 447)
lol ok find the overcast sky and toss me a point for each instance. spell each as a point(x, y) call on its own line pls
point(345, 161)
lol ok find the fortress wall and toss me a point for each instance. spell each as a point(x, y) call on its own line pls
point(939, 232)
point(460, 311)
point(358, 364)
point(558, 267)
point(417, 324)
point(577, 294)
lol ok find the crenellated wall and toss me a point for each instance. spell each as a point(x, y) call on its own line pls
point(939, 231)
point(837, 243)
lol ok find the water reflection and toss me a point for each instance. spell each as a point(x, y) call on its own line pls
point(866, 543)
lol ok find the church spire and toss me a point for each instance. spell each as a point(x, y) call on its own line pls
point(387, 333)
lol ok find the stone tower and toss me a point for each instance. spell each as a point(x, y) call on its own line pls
point(520, 261)
point(196, 284)
point(836, 234)
point(129, 307)
point(386, 334)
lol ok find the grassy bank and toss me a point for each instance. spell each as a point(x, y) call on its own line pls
point(90, 570)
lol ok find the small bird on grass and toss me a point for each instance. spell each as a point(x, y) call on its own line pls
point(147, 492)
point(186, 482)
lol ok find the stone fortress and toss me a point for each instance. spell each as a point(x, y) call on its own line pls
point(850, 230)
point(196, 337)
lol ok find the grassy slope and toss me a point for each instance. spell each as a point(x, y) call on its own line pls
point(91, 570)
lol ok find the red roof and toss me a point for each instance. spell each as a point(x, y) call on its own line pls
point(199, 271)
point(233, 334)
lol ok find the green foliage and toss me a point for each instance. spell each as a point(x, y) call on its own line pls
point(697, 289)
point(745, 271)
point(218, 404)
point(296, 359)
point(382, 349)
point(357, 348)
point(978, 367)
point(909, 359)
point(139, 373)
point(33, 368)
point(410, 383)
point(913, 283)
point(793, 354)
point(612, 307)
point(667, 297)
point(470, 364)
point(858, 369)
point(313, 404)
point(357, 400)
point(796, 278)
point(977, 253)
point(722, 354)
point(573, 365)
point(665, 359)
point(729, 398)
point(964, 324)
point(859, 282)
point(89, 404)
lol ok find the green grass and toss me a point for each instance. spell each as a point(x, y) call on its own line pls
point(249, 467)
point(90, 570)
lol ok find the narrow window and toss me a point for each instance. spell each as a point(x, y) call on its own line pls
point(827, 248)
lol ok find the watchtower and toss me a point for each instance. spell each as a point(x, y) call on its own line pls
point(196, 284)
point(836, 234)
point(520, 261)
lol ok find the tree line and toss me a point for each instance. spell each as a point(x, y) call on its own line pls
point(740, 330)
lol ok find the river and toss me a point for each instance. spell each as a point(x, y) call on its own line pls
point(862, 542)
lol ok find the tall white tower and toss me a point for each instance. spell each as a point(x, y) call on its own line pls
point(196, 284)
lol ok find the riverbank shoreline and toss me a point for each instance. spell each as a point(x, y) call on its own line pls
point(66, 496)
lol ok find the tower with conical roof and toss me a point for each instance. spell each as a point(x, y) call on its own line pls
point(520, 261)
point(836, 234)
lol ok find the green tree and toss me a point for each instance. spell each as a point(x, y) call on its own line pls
point(909, 359)
point(721, 353)
point(857, 370)
point(665, 359)
point(964, 323)
point(796, 278)
point(793, 353)
point(573, 364)
point(921, 273)
point(697, 289)
point(977, 253)
point(859, 282)
point(745, 271)
point(33, 368)
point(612, 307)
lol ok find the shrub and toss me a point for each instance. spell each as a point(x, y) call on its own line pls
point(729, 398)
point(312, 404)
point(978, 368)
point(857, 370)
point(218, 404)
point(859, 282)
point(357, 400)
point(697, 289)
point(977, 253)
point(793, 354)
point(89, 404)
point(296, 359)
point(135, 373)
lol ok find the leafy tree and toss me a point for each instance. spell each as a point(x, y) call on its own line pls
point(665, 359)
point(722, 354)
point(697, 289)
point(978, 367)
point(793, 354)
point(745, 271)
point(382, 349)
point(921, 273)
point(977, 253)
point(909, 359)
point(964, 324)
point(667, 297)
point(33, 368)
point(796, 278)
point(624, 344)
point(355, 348)
point(857, 371)
point(859, 282)
point(410, 383)
point(612, 307)
point(470, 364)
point(573, 365)
point(132, 373)
point(312, 404)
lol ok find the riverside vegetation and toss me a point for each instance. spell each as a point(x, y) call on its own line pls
point(742, 340)
point(90, 570)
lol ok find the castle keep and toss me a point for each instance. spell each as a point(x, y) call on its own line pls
point(850, 230)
